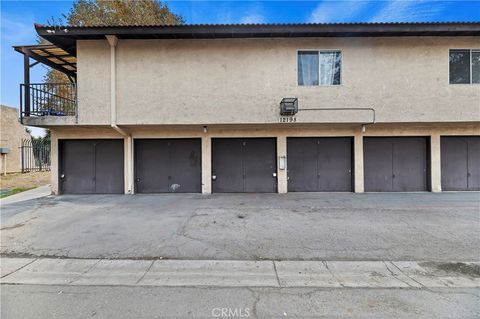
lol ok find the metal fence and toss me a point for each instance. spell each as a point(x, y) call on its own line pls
point(47, 99)
point(35, 155)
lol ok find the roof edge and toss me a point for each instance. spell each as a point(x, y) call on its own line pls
point(65, 37)
point(39, 25)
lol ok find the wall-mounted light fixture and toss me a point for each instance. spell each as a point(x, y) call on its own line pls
point(205, 129)
point(364, 128)
point(282, 162)
point(289, 106)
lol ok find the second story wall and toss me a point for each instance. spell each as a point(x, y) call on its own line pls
point(93, 82)
point(238, 81)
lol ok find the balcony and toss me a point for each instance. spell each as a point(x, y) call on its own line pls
point(57, 101)
point(45, 104)
point(48, 99)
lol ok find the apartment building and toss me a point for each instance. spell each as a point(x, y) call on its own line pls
point(260, 108)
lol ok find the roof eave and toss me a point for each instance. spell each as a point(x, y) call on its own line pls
point(66, 36)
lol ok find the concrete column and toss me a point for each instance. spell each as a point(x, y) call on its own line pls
point(435, 165)
point(206, 165)
point(54, 150)
point(282, 178)
point(358, 162)
point(128, 164)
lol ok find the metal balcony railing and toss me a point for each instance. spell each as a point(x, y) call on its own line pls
point(48, 99)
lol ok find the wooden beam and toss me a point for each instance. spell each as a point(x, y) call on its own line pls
point(46, 61)
point(57, 57)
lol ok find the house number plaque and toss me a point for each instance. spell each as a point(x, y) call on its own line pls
point(287, 119)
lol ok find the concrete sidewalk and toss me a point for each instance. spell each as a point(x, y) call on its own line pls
point(35, 193)
point(213, 273)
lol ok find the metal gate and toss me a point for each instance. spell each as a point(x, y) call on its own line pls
point(91, 166)
point(35, 155)
point(244, 165)
point(395, 164)
point(168, 165)
point(319, 164)
point(460, 162)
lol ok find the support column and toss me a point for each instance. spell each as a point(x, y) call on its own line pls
point(54, 165)
point(435, 164)
point(128, 162)
point(282, 178)
point(206, 165)
point(26, 81)
point(358, 162)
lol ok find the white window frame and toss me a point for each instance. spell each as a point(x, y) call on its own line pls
point(319, 51)
point(471, 66)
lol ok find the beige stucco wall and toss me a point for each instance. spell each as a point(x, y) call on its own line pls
point(243, 80)
point(12, 133)
point(281, 132)
point(93, 82)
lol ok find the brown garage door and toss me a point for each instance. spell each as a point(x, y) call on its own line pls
point(91, 166)
point(395, 164)
point(244, 165)
point(168, 165)
point(319, 164)
point(460, 158)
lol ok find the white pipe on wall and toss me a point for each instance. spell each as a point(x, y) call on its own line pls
point(128, 150)
point(113, 40)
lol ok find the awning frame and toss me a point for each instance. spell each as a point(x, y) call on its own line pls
point(43, 53)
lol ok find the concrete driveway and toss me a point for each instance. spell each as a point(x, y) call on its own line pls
point(299, 226)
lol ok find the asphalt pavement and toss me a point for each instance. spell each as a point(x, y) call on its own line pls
point(296, 226)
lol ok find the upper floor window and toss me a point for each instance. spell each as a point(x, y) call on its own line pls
point(319, 67)
point(464, 66)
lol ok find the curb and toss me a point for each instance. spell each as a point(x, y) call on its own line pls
point(234, 273)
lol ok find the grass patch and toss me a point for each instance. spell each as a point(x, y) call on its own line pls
point(9, 176)
point(14, 190)
point(23, 180)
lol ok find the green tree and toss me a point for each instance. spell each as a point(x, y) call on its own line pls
point(40, 147)
point(121, 12)
point(46, 139)
point(113, 13)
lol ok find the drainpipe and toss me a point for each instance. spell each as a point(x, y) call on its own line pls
point(112, 40)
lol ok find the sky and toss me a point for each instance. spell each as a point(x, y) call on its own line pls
point(17, 18)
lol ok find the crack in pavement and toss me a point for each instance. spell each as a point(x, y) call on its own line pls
point(20, 268)
point(145, 273)
point(276, 273)
point(331, 273)
point(422, 285)
point(84, 272)
point(395, 276)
